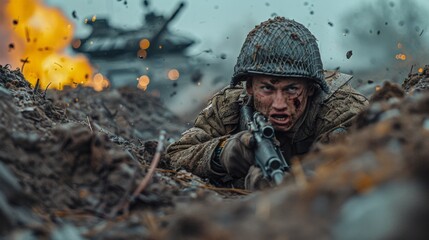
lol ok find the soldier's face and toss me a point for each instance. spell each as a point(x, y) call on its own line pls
point(281, 100)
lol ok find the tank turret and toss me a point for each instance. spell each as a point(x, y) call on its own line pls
point(124, 55)
point(106, 41)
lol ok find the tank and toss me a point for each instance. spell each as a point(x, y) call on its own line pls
point(152, 50)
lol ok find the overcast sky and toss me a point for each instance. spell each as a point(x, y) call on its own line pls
point(374, 31)
point(221, 25)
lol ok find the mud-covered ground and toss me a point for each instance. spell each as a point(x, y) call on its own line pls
point(71, 162)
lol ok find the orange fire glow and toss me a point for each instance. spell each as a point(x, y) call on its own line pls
point(143, 82)
point(377, 88)
point(40, 35)
point(173, 74)
point(144, 43)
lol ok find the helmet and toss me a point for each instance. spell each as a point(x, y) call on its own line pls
point(280, 47)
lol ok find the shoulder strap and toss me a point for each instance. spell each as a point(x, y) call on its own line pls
point(335, 81)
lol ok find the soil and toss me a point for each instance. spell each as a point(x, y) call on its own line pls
point(71, 161)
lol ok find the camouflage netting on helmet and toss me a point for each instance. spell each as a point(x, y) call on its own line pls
point(280, 47)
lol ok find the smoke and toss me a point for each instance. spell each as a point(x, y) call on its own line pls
point(387, 38)
point(220, 57)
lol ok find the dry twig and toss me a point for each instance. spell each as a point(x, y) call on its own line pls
point(24, 61)
point(46, 89)
point(124, 205)
point(89, 124)
point(153, 165)
point(36, 88)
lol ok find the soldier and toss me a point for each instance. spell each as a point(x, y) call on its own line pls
point(279, 73)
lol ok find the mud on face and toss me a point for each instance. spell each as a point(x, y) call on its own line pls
point(282, 100)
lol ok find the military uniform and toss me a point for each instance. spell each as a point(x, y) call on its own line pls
point(331, 113)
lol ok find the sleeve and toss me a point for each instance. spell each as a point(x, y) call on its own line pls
point(194, 150)
point(338, 112)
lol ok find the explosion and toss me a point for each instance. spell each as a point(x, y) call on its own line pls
point(37, 36)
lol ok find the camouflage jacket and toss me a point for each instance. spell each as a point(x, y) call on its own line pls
point(220, 119)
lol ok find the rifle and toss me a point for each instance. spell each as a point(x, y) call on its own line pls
point(267, 155)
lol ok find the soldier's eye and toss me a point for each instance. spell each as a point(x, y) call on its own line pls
point(266, 88)
point(292, 89)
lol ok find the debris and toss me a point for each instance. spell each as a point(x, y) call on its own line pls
point(64, 165)
point(24, 61)
point(417, 82)
point(74, 14)
point(59, 178)
point(389, 90)
point(375, 173)
point(349, 54)
point(36, 87)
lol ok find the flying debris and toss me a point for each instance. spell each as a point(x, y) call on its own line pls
point(74, 14)
point(349, 54)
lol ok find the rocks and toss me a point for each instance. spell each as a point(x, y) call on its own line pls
point(76, 153)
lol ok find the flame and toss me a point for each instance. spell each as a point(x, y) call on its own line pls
point(40, 35)
point(420, 70)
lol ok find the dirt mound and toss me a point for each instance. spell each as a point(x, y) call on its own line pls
point(79, 154)
point(71, 160)
point(370, 185)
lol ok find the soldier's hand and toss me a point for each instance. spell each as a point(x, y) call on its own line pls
point(255, 180)
point(238, 154)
